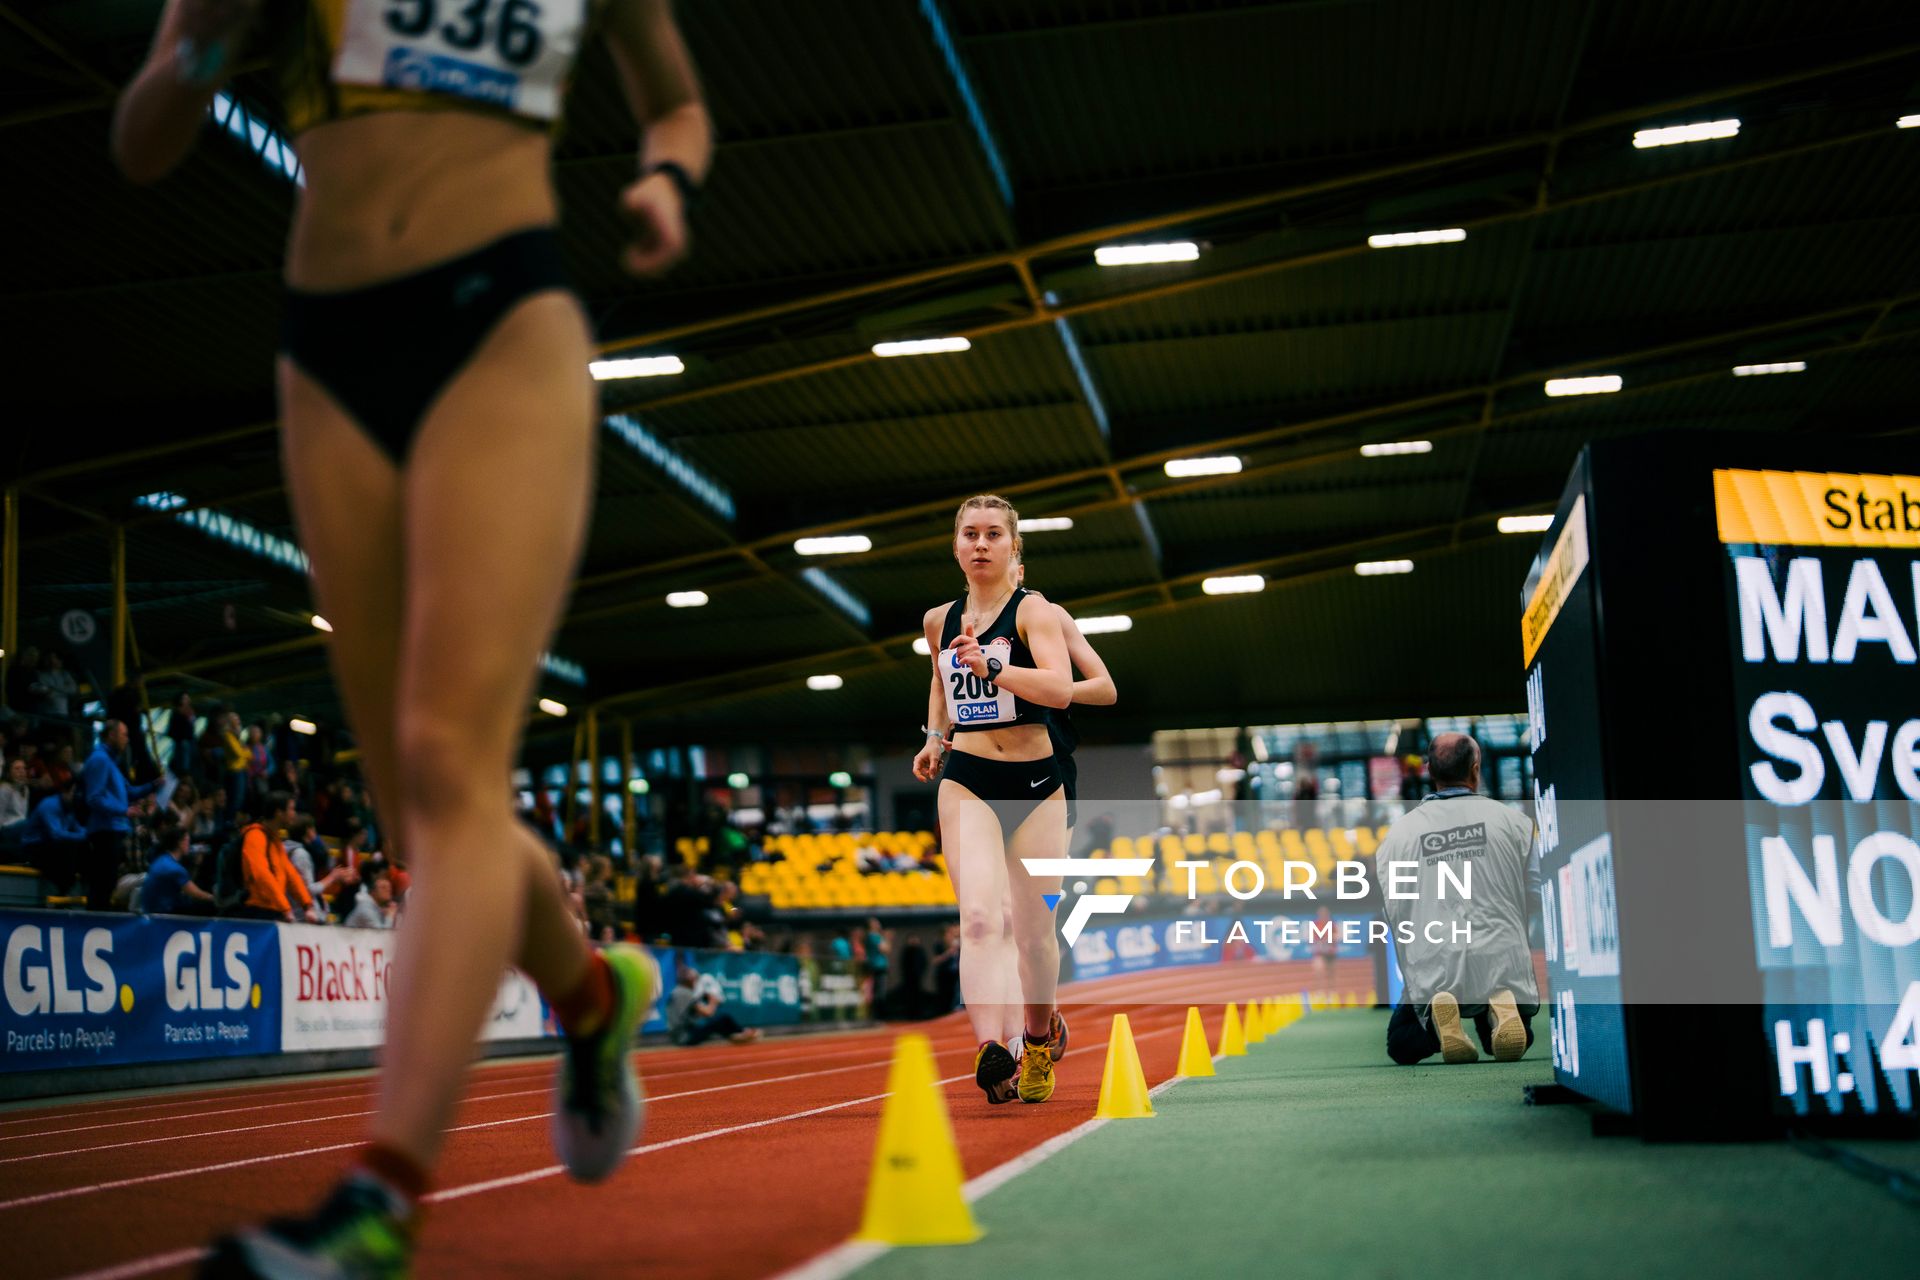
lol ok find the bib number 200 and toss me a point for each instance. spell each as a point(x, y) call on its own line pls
point(515, 29)
point(968, 687)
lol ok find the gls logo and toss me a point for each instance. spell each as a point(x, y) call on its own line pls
point(36, 972)
point(1088, 905)
point(187, 967)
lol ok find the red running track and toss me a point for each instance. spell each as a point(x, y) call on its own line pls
point(752, 1160)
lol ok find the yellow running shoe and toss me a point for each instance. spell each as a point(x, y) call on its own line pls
point(1454, 1045)
point(1036, 1072)
point(1509, 1028)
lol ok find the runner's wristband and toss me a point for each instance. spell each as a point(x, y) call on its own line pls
point(682, 181)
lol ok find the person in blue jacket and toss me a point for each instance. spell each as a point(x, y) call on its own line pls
point(109, 798)
point(54, 838)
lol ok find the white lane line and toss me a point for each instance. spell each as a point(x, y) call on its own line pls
point(145, 1266)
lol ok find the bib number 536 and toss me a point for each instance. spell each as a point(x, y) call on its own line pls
point(514, 25)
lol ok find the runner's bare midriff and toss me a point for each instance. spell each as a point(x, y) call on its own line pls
point(396, 192)
point(1015, 742)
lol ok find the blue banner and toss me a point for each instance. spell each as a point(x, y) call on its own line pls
point(84, 990)
point(1191, 940)
point(759, 988)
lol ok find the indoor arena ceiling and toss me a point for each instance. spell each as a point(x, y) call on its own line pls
point(892, 169)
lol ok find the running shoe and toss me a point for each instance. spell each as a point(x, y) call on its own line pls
point(995, 1071)
point(1036, 1072)
point(355, 1235)
point(1455, 1047)
point(1509, 1037)
point(600, 1102)
point(1057, 1037)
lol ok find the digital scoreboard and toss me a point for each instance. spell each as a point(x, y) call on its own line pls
point(1719, 636)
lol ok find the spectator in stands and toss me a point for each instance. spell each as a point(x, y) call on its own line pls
point(233, 765)
point(690, 910)
point(182, 804)
point(649, 907)
point(180, 760)
point(841, 948)
point(272, 885)
point(308, 852)
point(376, 908)
point(878, 948)
point(946, 972)
point(23, 679)
point(209, 816)
point(259, 760)
point(57, 686)
point(598, 895)
point(694, 1015)
point(1490, 979)
point(908, 995)
point(110, 799)
point(51, 767)
point(169, 889)
point(211, 753)
point(54, 839)
point(16, 800)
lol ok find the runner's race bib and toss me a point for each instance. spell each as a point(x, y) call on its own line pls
point(511, 54)
point(972, 701)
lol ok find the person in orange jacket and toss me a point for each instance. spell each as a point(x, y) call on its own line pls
point(272, 880)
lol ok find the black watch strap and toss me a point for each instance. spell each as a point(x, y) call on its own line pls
point(682, 181)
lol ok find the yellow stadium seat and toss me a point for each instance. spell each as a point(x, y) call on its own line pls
point(1195, 843)
point(1122, 847)
point(1364, 841)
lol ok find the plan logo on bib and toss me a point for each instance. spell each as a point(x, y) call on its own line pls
point(1088, 905)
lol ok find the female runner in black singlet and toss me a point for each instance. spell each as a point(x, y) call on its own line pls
point(998, 662)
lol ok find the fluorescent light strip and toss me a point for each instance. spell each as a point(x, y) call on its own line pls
point(320, 623)
point(1600, 384)
point(1046, 524)
point(301, 725)
point(839, 545)
point(824, 684)
point(1239, 584)
point(1180, 468)
point(563, 669)
point(635, 367)
point(1758, 370)
point(1907, 122)
point(1525, 524)
point(848, 603)
point(1140, 255)
point(1673, 135)
point(1374, 568)
point(1401, 239)
point(553, 708)
point(1100, 626)
point(686, 599)
point(1394, 448)
point(635, 435)
point(921, 347)
point(222, 527)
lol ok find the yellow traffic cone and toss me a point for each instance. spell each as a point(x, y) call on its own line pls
point(913, 1194)
point(1123, 1085)
point(1195, 1058)
point(1253, 1026)
point(1373, 997)
point(1233, 1041)
point(1270, 1010)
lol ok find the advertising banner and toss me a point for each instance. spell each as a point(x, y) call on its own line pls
point(758, 988)
point(85, 990)
point(334, 991)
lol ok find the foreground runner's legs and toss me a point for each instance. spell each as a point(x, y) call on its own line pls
point(441, 735)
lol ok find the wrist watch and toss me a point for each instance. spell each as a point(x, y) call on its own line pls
point(994, 668)
point(683, 182)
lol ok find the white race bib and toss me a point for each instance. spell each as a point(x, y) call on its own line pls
point(972, 701)
point(511, 54)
